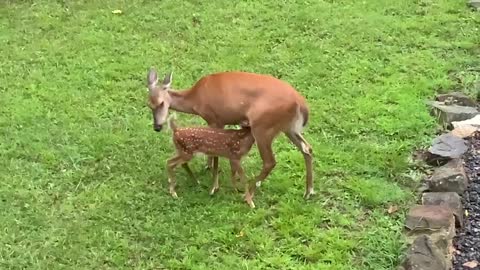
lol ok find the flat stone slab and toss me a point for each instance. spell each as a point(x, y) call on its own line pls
point(449, 178)
point(424, 255)
point(429, 217)
point(446, 114)
point(457, 98)
point(448, 199)
point(474, 121)
point(474, 4)
point(448, 146)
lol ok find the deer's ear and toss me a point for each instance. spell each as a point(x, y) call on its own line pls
point(167, 81)
point(152, 78)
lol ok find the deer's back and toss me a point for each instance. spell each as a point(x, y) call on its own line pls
point(232, 95)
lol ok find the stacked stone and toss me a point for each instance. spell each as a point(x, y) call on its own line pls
point(431, 225)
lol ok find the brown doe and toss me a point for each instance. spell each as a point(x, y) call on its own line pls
point(270, 106)
point(229, 143)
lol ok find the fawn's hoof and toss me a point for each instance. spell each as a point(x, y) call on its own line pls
point(174, 195)
point(247, 197)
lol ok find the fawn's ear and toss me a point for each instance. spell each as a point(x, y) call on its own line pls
point(167, 81)
point(152, 79)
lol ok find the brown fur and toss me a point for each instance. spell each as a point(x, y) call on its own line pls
point(268, 105)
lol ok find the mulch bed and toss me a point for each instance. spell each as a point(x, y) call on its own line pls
point(467, 240)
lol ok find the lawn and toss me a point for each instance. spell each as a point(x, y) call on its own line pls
point(83, 182)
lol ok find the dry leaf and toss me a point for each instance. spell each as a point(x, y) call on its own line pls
point(117, 11)
point(466, 213)
point(240, 234)
point(464, 131)
point(392, 209)
point(451, 250)
point(471, 264)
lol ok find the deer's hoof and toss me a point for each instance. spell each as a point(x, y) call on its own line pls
point(308, 193)
point(174, 195)
point(213, 191)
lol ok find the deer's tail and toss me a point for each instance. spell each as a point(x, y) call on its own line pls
point(305, 113)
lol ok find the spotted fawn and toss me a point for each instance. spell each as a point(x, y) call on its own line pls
point(233, 144)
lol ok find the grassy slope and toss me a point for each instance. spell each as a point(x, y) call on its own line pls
point(82, 173)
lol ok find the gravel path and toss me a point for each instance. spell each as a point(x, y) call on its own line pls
point(467, 241)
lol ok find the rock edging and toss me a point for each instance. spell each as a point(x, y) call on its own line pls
point(430, 225)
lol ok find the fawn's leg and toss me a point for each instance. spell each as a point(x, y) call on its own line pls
point(190, 173)
point(307, 152)
point(234, 171)
point(236, 165)
point(171, 165)
point(215, 185)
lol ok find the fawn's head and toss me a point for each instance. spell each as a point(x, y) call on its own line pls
point(159, 99)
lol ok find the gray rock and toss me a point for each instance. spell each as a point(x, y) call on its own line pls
point(474, 4)
point(424, 255)
point(457, 98)
point(449, 178)
point(449, 113)
point(429, 218)
point(448, 146)
point(448, 199)
point(436, 221)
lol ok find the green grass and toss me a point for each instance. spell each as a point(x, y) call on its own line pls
point(83, 184)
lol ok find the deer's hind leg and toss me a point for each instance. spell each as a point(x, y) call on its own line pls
point(264, 139)
point(297, 139)
point(237, 169)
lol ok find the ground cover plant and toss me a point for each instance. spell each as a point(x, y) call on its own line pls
point(83, 183)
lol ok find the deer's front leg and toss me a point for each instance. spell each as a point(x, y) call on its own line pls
point(234, 172)
point(211, 160)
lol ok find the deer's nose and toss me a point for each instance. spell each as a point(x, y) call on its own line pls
point(157, 128)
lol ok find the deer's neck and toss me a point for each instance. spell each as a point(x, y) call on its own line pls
point(182, 102)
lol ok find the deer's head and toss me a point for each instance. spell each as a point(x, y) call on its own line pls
point(159, 99)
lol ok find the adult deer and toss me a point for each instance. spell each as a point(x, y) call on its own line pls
point(269, 105)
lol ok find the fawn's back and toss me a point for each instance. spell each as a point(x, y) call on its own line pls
point(229, 143)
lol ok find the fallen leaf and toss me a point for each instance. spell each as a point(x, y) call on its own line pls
point(471, 264)
point(464, 131)
point(392, 209)
point(466, 213)
point(117, 11)
point(240, 234)
point(451, 249)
